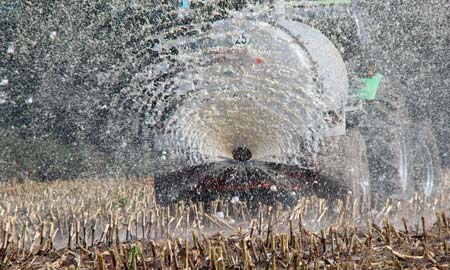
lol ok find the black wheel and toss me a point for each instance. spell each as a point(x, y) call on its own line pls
point(403, 160)
point(402, 157)
point(171, 187)
point(421, 170)
point(166, 191)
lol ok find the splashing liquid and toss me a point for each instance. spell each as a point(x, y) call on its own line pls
point(245, 83)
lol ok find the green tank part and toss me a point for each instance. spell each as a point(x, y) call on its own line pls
point(369, 92)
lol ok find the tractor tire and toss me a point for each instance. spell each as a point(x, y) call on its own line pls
point(403, 157)
point(423, 170)
point(343, 167)
point(403, 160)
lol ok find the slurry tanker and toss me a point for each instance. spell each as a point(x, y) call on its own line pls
point(281, 104)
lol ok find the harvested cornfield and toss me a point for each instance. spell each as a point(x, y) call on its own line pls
point(115, 224)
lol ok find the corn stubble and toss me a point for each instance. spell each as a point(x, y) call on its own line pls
point(115, 224)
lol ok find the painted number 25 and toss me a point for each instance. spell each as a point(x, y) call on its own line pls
point(241, 40)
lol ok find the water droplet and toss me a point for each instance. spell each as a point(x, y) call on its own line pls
point(235, 200)
point(220, 215)
point(53, 35)
point(11, 48)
